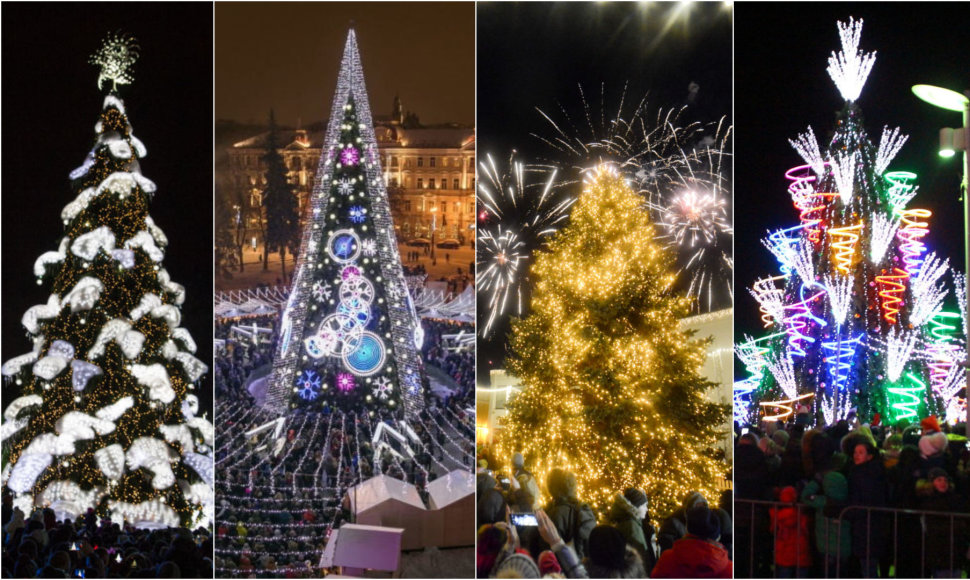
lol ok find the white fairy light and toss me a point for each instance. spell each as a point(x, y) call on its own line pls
point(960, 288)
point(156, 379)
point(889, 145)
point(152, 514)
point(884, 228)
point(182, 335)
point(843, 171)
point(899, 347)
point(49, 367)
point(130, 343)
point(85, 294)
point(928, 290)
point(117, 54)
point(769, 297)
point(194, 368)
point(115, 410)
point(803, 262)
point(839, 290)
point(154, 455)
point(21, 403)
point(111, 461)
point(806, 144)
point(782, 368)
point(850, 68)
point(88, 245)
point(148, 302)
point(144, 241)
point(169, 313)
point(40, 312)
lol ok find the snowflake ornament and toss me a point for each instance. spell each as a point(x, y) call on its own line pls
point(321, 291)
point(345, 382)
point(345, 187)
point(350, 156)
point(116, 56)
point(309, 385)
point(357, 214)
point(369, 247)
point(383, 388)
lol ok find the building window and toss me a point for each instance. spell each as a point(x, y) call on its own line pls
point(471, 208)
point(444, 207)
point(420, 161)
point(420, 183)
point(394, 161)
point(393, 182)
point(407, 163)
point(431, 162)
point(431, 183)
point(407, 205)
point(455, 184)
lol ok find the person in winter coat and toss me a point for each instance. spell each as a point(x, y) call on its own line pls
point(944, 558)
point(675, 526)
point(828, 493)
point(868, 487)
point(793, 556)
point(574, 520)
point(698, 554)
point(626, 514)
point(611, 557)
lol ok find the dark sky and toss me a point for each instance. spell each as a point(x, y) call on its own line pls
point(781, 87)
point(286, 56)
point(536, 54)
point(50, 105)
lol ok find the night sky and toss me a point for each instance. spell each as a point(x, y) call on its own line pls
point(286, 56)
point(50, 105)
point(781, 87)
point(537, 54)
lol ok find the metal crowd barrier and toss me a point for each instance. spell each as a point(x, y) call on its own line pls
point(748, 516)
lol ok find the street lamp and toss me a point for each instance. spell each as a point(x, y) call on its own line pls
point(951, 141)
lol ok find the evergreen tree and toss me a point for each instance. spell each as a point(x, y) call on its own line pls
point(279, 200)
point(612, 387)
point(857, 312)
point(106, 418)
point(349, 335)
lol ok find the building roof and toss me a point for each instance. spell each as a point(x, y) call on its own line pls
point(387, 136)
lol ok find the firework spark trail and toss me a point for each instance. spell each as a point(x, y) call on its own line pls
point(676, 169)
point(517, 216)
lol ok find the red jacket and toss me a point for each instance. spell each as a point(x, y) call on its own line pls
point(693, 557)
point(791, 532)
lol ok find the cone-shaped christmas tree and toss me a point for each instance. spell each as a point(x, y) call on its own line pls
point(106, 419)
point(349, 334)
point(858, 311)
point(613, 391)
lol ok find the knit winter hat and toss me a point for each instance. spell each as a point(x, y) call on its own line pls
point(703, 523)
point(635, 496)
point(548, 564)
point(930, 424)
point(788, 494)
point(518, 461)
point(932, 444)
point(607, 547)
point(522, 565)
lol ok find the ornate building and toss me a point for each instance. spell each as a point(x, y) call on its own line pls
point(429, 171)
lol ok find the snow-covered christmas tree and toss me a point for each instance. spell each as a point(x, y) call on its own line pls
point(859, 312)
point(349, 336)
point(106, 418)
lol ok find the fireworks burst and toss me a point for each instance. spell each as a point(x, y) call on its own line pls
point(678, 171)
point(514, 219)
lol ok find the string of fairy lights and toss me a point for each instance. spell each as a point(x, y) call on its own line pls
point(859, 318)
point(599, 338)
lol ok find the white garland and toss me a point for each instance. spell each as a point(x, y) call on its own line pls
point(156, 379)
point(39, 312)
point(86, 292)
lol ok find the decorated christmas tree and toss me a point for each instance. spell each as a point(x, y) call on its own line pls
point(858, 315)
point(612, 386)
point(349, 335)
point(106, 418)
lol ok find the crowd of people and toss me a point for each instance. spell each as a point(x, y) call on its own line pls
point(37, 545)
point(519, 537)
point(851, 499)
point(279, 499)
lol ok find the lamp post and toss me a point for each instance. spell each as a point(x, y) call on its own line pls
point(434, 226)
point(952, 140)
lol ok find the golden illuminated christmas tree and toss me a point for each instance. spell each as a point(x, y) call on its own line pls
point(613, 391)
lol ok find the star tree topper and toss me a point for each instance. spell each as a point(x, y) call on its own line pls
point(116, 56)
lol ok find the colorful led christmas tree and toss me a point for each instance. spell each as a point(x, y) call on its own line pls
point(613, 388)
point(106, 419)
point(857, 314)
point(349, 336)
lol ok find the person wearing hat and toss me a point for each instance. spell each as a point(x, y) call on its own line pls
point(611, 557)
point(524, 490)
point(627, 514)
point(868, 487)
point(936, 494)
point(698, 554)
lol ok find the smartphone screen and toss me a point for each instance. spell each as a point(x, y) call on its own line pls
point(526, 519)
